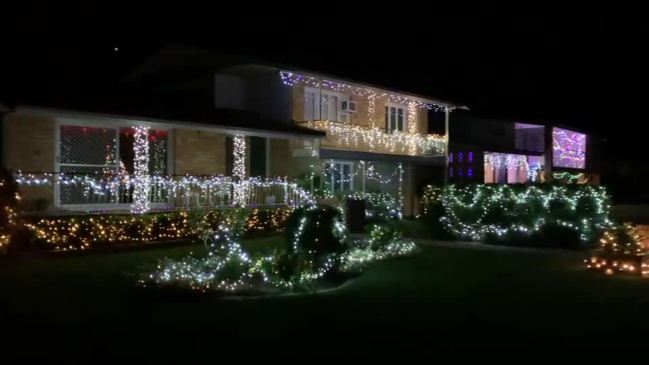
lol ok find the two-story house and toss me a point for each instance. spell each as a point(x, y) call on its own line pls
point(506, 152)
point(188, 126)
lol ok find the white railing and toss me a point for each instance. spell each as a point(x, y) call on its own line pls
point(169, 191)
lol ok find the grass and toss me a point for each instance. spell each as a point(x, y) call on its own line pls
point(440, 297)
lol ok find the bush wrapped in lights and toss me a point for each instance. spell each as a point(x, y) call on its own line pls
point(621, 251)
point(227, 267)
point(380, 206)
point(384, 242)
point(562, 215)
point(9, 198)
point(316, 252)
point(84, 232)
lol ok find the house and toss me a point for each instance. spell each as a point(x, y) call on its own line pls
point(191, 128)
point(503, 151)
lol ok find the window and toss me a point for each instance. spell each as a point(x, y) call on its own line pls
point(394, 118)
point(568, 149)
point(324, 105)
point(311, 106)
point(101, 153)
point(341, 175)
point(328, 107)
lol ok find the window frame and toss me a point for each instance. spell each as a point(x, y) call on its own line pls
point(332, 179)
point(115, 124)
point(397, 107)
point(317, 107)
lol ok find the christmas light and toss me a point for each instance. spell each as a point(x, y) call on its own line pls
point(83, 232)
point(292, 79)
point(568, 149)
point(382, 205)
point(141, 183)
point(621, 251)
point(375, 139)
point(479, 202)
point(508, 160)
point(216, 190)
point(239, 170)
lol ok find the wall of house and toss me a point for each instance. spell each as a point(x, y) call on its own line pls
point(290, 157)
point(254, 88)
point(360, 117)
point(29, 143)
point(199, 152)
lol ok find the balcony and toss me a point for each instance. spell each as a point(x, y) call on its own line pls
point(345, 136)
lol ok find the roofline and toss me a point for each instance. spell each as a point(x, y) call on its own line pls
point(183, 124)
point(446, 104)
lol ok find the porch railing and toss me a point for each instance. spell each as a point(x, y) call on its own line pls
point(168, 191)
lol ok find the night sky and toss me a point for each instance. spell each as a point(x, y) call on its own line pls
point(585, 69)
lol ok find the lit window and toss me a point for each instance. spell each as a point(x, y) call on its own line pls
point(450, 157)
point(394, 118)
point(102, 153)
point(470, 157)
point(341, 176)
point(469, 172)
point(460, 157)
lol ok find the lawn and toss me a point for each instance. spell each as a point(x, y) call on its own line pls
point(440, 297)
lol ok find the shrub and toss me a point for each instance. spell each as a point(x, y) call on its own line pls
point(549, 215)
point(8, 208)
point(433, 211)
point(316, 229)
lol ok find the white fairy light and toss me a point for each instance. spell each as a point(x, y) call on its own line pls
point(141, 180)
point(292, 79)
point(377, 140)
point(239, 169)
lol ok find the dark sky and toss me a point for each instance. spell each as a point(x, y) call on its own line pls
point(578, 68)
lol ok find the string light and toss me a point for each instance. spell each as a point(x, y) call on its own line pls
point(568, 149)
point(371, 109)
point(375, 139)
point(382, 205)
point(292, 79)
point(412, 126)
point(570, 178)
point(83, 232)
point(383, 243)
point(621, 251)
point(481, 201)
point(400, 189)
point(239, 169)
point(508, 160)
point(215, 190)
point(141, 179)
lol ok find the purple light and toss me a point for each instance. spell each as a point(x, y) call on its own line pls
point(469, 172)
point(460, 157)
point(450, 157)
point(568, 149)
point(470, 157)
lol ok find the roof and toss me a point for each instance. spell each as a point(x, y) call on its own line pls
point(174, 85)
point(224, 119)
point(174, 63)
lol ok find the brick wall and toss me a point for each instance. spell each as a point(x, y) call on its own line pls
point(29, 143)
point(199, 152)
point(361, 116)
